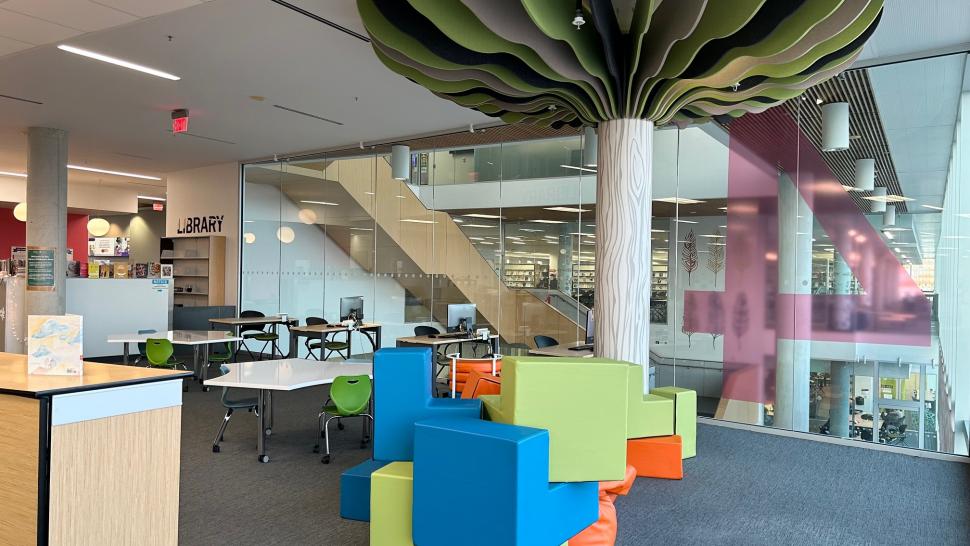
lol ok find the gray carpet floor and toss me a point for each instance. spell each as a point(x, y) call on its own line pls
point(743, 488)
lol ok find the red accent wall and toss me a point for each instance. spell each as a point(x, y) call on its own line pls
point(13, 232)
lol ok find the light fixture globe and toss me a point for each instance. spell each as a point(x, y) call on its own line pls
point(98, 227)
point(20, 212)
point(307, 216)
point(285, 234)
point(249, 238)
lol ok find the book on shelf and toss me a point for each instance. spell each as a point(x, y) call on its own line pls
point(121, 270)
point(141, 271)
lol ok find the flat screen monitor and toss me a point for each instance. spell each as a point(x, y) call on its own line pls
point(352, 306)
point(461, 317)
point(589, 327)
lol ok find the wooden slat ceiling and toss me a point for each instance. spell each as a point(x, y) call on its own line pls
point(867, 137)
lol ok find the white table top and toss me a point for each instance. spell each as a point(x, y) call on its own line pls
point(562, 350)
point(177, 337)
point(242, 321)
point(287, 374)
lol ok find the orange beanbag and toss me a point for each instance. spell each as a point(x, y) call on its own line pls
point(658, 457)
point(479, 383)
point(603, 531)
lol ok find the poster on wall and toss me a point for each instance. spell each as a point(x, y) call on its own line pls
point(108, 246)
point(54, 345)
point(40, 268)
point(18, 260)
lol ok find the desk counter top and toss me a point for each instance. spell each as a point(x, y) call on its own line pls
point(15, 380)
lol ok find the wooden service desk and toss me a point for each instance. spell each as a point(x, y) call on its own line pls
point(91, 459)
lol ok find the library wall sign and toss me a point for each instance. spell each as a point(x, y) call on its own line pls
point(199, 224)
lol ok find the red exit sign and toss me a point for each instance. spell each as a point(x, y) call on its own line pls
point(180, 121)
point(158, 206)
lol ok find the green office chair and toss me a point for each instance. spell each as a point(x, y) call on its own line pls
point(248, 404)
point(159, 354)
point(329, 344)
point(258, 334)
point(349, 397)
point(545, 341)
point(220, 358)
point(141, 346)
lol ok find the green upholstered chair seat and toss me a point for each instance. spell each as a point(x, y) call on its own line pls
point(330, 345)
point(268, 336)
point(220, 357)
point(172, 363)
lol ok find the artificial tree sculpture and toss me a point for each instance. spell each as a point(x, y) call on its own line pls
point(622, 66)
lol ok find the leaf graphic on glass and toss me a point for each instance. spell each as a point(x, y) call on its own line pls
point(715, 317)
point(715, 253)
point(686, 327)
point(688, 254)
point(739, 317)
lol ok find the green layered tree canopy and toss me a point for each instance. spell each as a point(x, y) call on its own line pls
point(670, 61)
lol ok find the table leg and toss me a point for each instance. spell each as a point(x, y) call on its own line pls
point(195, 363)
point(261, 455)
point(271, 411)
point(494, 342)
point(205, 366)
point(293, 345)
point(377, 343)
point(126, 352)
point(350, 347)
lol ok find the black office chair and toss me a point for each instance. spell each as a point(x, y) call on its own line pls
point(258, 333)
point(545, 341)
point(329, 344)
point(248, 404)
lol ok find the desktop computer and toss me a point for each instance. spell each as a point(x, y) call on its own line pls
point(461, 317)
point(589, 334)
point(352, 308)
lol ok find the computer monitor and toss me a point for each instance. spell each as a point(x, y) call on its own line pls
point(589, 327)
point(461, 317)
point(352, 306)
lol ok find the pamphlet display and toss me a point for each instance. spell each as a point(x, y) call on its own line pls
point(54, 345)
point(108, 246)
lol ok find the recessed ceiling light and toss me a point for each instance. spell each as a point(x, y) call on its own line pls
point(257, 98)
point(566, 209)
point(891, 198)
point(118, 62)
point(416, 221)
point(328, 203)
point(362, 229)
point(685, 221)
point(479, 215)
point(547, 221)
point(458, 220)
point(679, 200)
point(531, 230)
point(369, 192)
point(151, 198)
point(8, 173)
point(116, 173)
point(819, 101)
point(479, 226)
point(931, 207)
point(578, 168)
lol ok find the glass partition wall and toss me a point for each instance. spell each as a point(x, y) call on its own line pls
point(791, 286)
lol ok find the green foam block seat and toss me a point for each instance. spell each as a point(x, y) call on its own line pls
point(685, 416)
point(582, 402)
point(649, 414)
point(391, 504)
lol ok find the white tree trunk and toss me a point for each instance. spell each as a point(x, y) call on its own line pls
point(623, 220)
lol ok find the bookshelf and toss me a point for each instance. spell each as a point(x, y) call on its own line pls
point(525, 273)
point(198, 269)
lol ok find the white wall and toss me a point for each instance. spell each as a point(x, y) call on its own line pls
point(145, 230)
point(205, 191)
point(79, 195)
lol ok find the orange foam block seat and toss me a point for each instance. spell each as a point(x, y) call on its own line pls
point(459, 376)
point(657, 457)
point(479, 383)
point(603, 531)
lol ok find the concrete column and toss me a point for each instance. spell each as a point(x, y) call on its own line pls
point(841, 372)
point(795, 223)
point(623, 218)
point(47, 210)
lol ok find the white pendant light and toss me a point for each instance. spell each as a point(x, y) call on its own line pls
point(589, 147)
point(400, 162)
point(20, 212)
point(889, 216)
point(98, 227)
point(250, 238)
point(835, 126)
point(285, 234)
point(307, 216)
point(879, 205)
point(865, 174)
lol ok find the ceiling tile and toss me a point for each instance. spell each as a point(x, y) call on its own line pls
point(8, 46)
point(79, 14)
point(147, 8)
point(30, 29)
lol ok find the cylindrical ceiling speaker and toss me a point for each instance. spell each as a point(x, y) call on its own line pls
point(835, 126)
point(889, 216)
point(865, 174)
point(589, 147)
point(400, 162)
point(880, 205)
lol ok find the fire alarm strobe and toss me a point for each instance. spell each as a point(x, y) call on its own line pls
point(180, 120)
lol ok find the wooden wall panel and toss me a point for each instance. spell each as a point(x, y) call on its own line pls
point(19, 449)
point(116, 480)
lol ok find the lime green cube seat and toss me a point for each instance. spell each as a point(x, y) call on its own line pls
point(685, 416)
point(582, 402)
point(391, 504)
point(649, 414)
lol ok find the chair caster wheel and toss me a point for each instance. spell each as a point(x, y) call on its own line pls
point(263, 458)
point(325, 459)
point(316, 449)
point(216, 449)
point(269, 432)
point(205, 389)
point(340, 426)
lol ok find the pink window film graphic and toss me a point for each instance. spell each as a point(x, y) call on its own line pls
point(751, 314)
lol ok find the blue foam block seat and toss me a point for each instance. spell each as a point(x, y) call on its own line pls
point(500, 480)
point(402, 396)
point(355, 490)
